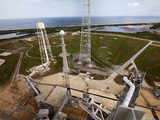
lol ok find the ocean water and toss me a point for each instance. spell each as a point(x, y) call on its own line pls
point(13, 24)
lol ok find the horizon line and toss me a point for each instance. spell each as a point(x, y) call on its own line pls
point(68, 17)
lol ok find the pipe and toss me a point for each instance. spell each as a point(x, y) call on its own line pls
point(130, 92)
point(44, 45)
point(32, 86)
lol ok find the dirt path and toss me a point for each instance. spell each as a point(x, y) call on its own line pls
point(9, 41)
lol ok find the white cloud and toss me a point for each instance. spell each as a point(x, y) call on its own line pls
point(134, 4)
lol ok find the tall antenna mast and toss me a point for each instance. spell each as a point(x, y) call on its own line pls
point(85, 44)
point(66, 70)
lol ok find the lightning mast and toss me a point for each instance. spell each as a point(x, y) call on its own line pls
point(45, 48)
point(85, 43)
point(66, 70)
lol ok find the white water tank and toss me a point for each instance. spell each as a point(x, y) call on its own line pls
point(62, 32)
point(40, 25)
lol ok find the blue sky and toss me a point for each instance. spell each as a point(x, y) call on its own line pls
point(56, 8)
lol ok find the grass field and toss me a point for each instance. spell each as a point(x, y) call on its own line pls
point(118, 50)
point(122, 49)
point(6, 70)
point(108, 49)
point(144, 35)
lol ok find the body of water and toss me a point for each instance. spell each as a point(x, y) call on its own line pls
point(125, 29)
point(12, 35)
point(13, 24)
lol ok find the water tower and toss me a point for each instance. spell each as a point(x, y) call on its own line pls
point(44, 45)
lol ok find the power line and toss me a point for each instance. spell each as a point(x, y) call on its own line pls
point(106, 97)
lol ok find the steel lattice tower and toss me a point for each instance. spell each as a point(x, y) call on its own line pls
point(44, 45)
point(85, 43)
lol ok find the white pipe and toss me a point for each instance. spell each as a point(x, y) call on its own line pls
point(126, 64)
point(130, 92)
point(31, 85)
point(36, 70)
point(45, 48)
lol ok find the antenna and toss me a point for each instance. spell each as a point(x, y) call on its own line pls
point(85, 43)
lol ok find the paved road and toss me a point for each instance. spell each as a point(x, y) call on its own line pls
point(126, 64)
point(8, 41)
point(16, 72)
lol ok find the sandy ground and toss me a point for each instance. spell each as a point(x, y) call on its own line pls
point(77, 82)
point(102, 87)
point(5, 54)
point(147, 95)
point(58, 92)
point(107, 104)
point(10, 100)
point(12, 96)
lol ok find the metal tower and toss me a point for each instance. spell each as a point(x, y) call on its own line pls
point(85, 43)
point(68, 97)
point(66, 69)
point(45, 48)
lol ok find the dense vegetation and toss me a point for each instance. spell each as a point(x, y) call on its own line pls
point(6, 70)
point(156, 26)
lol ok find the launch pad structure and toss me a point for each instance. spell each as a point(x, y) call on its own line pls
point(125, 105)
point(44, 45)
point(126, 102)
point(92, 109)
point(85, 41)
point(45, 51)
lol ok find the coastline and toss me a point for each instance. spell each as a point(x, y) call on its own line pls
point(70, 28)
point(152, 34)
